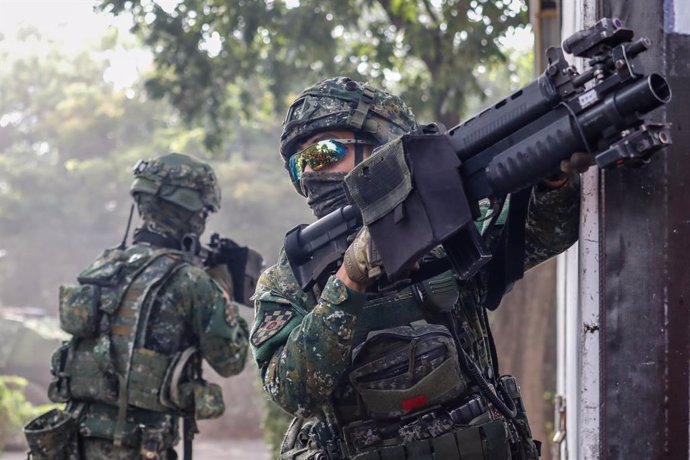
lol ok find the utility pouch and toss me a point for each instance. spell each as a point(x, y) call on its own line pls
point(183, 390)
point(146, 379)
point(208, 400)
point(58, 388)
point(52, 436)
point(79, 313)
point(403, 369)
point(87, 379)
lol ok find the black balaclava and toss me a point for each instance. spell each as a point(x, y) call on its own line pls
point(167, 219)
point(324, 191)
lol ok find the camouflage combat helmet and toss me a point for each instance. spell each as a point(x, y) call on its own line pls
point(342, 103)
point(178, 179)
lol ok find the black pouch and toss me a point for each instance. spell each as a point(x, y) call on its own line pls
point(403, 369)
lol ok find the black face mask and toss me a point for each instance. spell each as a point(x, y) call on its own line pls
point(324, 191)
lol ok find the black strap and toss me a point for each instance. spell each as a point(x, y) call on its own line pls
point(359, 150)
point(143, 235)
point(188, 433)
point(508, 263)
point(492, 344)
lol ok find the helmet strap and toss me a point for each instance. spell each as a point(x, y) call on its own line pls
point(358, 117)
point(359, 149)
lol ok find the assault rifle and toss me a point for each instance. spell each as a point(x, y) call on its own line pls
point(431, 195)
point(243, 263)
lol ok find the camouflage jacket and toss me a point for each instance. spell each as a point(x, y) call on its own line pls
point(303, 341)
point(192, 309)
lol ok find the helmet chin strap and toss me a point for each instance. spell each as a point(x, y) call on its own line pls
point(359, 149)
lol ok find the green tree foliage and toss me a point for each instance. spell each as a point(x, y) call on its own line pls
point(15, 410)
point(68, 140)
point(208, 54)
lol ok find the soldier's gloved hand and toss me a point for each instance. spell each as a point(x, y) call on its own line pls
point(362, 262)
point(578, 163)
point(221, 274)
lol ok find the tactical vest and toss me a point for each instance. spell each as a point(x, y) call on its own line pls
point(106, 363)
point(405, 395)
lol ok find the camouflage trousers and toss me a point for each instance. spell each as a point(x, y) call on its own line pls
point(103, 449)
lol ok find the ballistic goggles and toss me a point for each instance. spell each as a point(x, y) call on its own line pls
point(321, 154)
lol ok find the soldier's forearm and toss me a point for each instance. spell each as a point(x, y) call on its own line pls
point(552, 222)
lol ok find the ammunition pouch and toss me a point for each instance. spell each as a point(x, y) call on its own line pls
point(487, 440)
point(183, 390)
point(146, 379)
point(52, 436)
point(208, 400)
point(86, 374)
point(407, 368)
point(81, 305)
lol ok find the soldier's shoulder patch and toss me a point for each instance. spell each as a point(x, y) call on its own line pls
point(271, 323)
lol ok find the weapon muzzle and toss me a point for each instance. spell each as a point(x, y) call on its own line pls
point(626, 105)
point(644, 95)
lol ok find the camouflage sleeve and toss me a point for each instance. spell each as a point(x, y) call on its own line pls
point(223, 334)
point(552, 221)
point(302, 355)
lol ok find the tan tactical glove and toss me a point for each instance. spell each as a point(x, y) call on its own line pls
point(221, 274)
point(362, 261)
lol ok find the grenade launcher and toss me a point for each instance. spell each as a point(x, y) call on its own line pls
point(428, 195)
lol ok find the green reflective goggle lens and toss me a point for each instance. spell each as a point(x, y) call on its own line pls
point(320, 154)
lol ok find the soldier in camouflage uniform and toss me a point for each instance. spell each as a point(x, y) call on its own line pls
point(378, 370)
point(142, 319)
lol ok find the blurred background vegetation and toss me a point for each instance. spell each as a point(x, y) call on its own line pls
point(210, 79)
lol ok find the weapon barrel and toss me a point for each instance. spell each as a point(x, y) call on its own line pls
point(504, 118)
point(640, 97)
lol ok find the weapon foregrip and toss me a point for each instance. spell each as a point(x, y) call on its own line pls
point(535, 157)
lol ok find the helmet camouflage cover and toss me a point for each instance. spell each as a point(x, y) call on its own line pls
point(178, 179)
point(342, 103)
